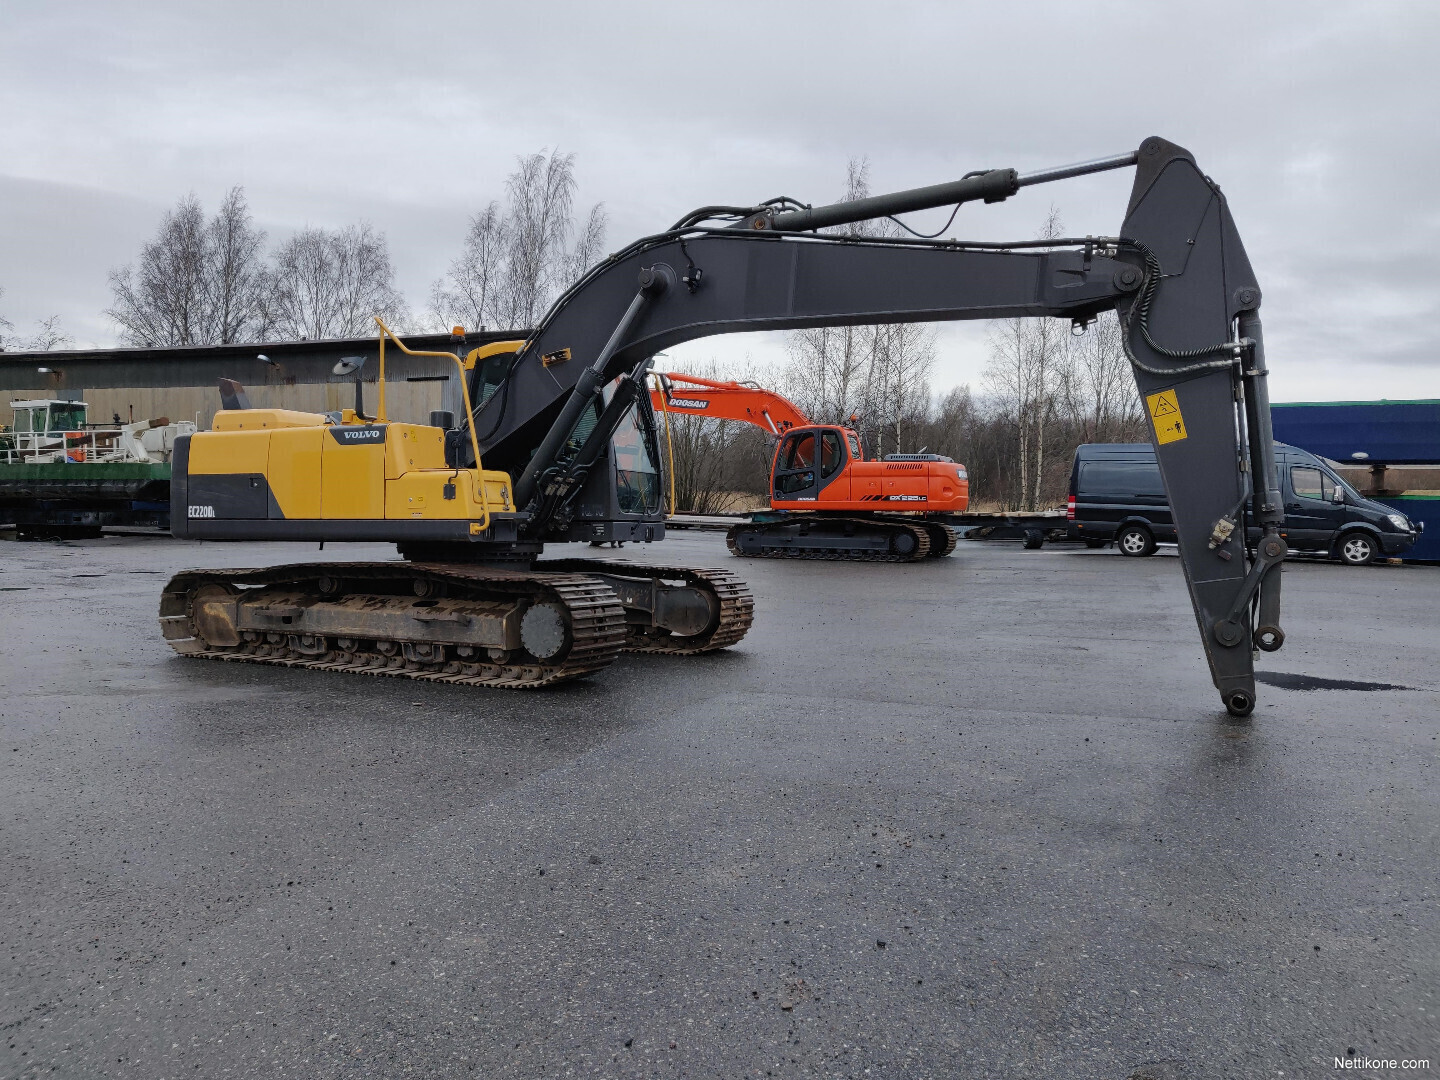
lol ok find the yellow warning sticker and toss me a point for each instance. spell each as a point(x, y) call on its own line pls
point(1165, 415)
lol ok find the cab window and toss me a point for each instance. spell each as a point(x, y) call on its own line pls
point(831, 455)
point(854, 441)
point(1311, 483)
point(800, 453)
point(67, 417)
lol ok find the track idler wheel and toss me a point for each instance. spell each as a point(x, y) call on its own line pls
point(542, 631)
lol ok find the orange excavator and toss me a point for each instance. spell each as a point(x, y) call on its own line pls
point(827, 500)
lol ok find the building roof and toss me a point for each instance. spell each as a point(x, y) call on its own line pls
point(200, 365)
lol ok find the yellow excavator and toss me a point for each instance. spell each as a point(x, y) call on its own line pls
point(553, 439)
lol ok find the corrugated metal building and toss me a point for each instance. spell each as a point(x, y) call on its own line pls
point(179, 383)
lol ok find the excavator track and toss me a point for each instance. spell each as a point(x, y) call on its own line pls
point(854, 539)
point(472, 625)
point(731, 607)
point(942, 540)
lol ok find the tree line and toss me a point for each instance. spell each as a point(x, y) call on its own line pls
point(212, 280)
point(1044, 392)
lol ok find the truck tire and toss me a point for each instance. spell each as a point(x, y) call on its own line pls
point(1135, 540)
point(1034, 539)
point(1357, 549)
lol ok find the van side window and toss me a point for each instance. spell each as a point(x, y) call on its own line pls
point(1121, 478)
point(830, 453)
point(1311, 483)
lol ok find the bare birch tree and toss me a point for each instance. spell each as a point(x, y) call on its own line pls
point(198, 282)
point(1028, 364)
point(236, 282)
point(163, 300)
point(330, 284)
point(515, 261)
point(903, 355)
point(470, 293)
point(1098, 389)
point(831, 373)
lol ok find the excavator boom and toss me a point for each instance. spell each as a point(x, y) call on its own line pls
point(1176, 272)
point(696, 396)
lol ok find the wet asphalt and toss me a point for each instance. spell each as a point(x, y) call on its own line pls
point(976, 817)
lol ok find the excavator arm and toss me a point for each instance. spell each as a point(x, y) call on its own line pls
point(692, 395)
point(1176, 272)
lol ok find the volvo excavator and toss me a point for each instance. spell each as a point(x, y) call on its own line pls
point(553, 439)
point(827, 501)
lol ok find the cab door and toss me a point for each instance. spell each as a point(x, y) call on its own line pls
point(1310, 510)
point(834, 478)
point(796, 475)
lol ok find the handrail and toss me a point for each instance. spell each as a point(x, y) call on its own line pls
point(669, 442)
point(385, 332)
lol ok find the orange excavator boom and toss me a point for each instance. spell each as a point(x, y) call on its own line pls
point(693, 396)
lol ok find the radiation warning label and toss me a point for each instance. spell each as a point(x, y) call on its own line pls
point(1165, 415)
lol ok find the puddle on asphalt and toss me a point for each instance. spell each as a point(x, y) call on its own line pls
point(1287, 681)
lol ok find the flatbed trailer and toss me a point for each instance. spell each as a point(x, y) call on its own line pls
point(1034, 528)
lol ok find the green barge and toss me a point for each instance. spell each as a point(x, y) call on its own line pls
point(63, 478)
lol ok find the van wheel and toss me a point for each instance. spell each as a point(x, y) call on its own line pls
point(1357, 549)
point(1135, 540)
point(1094, 542)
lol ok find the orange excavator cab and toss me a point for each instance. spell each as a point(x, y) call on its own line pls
point(830, 502)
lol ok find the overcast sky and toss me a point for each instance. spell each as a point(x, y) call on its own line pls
point(1318, 120)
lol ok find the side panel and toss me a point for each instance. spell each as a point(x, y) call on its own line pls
point(423, 495)
point(180, 488)
point(412, 446)
point(906, 483)
point(220, 452)
point(352, 483)
point(294, 471)
point(227, 476)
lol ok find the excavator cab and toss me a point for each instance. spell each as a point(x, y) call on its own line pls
point(809, 461)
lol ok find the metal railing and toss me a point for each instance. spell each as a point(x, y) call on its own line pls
point(100, 444)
